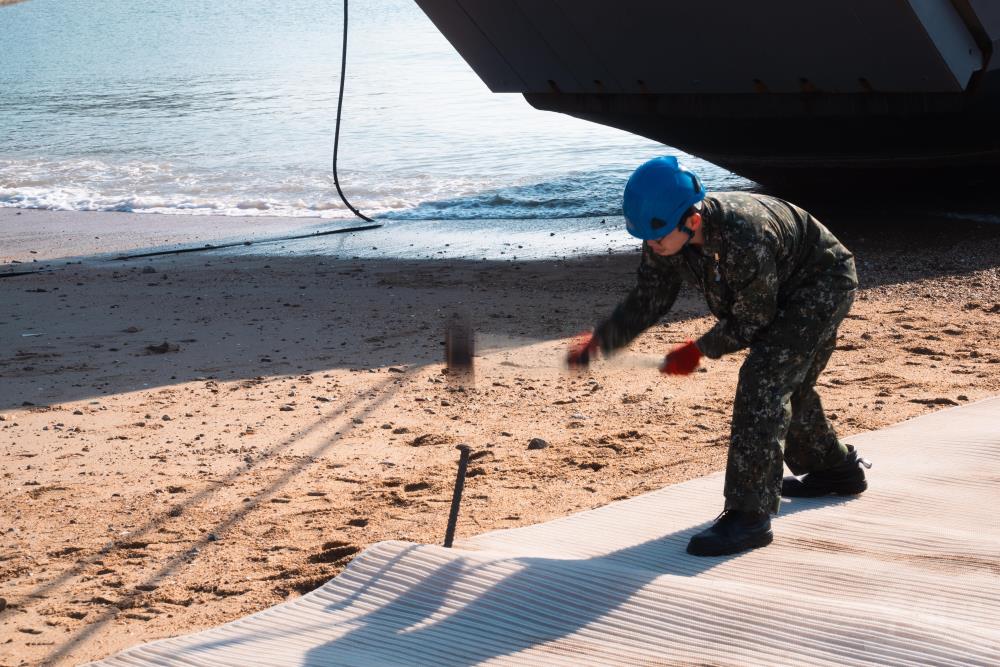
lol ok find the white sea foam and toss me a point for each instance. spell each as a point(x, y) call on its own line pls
point(988, 218)
point(94, 185)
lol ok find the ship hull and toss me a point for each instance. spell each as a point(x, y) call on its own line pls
point(804, 145)
point(890, 93)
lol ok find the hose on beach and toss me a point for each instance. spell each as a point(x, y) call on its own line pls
point(336, 134)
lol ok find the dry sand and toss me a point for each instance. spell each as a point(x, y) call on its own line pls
point(192, 438)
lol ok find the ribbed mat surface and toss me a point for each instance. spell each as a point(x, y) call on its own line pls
point(906, 574)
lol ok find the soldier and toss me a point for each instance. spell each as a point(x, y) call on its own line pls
point(779, 283)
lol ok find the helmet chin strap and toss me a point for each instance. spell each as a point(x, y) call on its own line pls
point(687, 230)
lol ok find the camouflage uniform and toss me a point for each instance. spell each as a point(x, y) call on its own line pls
point(779, 283)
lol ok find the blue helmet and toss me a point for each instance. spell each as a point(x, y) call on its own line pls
point(657, 194)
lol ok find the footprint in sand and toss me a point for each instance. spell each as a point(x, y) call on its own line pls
point(333, 552)
point(416, 486)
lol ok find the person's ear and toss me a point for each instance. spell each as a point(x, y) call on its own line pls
point(694, 222)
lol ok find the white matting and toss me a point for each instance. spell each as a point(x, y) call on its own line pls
point(906, 574)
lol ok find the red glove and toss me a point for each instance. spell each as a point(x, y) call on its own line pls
point(682, 360)
point(581, 349)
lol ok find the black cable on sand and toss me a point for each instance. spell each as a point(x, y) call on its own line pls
point(181, 251)
point(11, 274)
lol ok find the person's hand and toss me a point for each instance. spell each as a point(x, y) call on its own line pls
point(682, 360)
point(583, 347)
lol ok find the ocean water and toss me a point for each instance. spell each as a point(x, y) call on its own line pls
point(228, 108)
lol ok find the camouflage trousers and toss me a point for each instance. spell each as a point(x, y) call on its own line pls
point(777, 414)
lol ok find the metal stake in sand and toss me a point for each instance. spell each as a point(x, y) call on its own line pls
point(456, 498)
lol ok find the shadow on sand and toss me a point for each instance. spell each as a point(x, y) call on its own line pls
point(235, 317)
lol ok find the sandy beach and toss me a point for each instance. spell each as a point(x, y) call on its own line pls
point(187, 439)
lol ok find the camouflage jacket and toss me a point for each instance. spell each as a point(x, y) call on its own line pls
point(757, 251)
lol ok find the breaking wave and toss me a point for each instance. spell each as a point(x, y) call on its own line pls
point(96, 185)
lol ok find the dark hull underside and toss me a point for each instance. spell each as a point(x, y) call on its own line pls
point(806, 143)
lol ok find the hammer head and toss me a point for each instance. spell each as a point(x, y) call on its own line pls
point(459, 347)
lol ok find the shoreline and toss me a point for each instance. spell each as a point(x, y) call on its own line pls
point(298, 412)
point(36, 237)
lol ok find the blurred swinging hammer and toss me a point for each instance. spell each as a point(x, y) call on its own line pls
point(459, 348)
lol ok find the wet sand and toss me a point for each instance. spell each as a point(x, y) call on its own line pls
point(188, 439)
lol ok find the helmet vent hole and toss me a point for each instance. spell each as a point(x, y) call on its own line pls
point(656, 223)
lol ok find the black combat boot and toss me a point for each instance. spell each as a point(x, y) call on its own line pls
point(734, 531)
point(845, 479)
